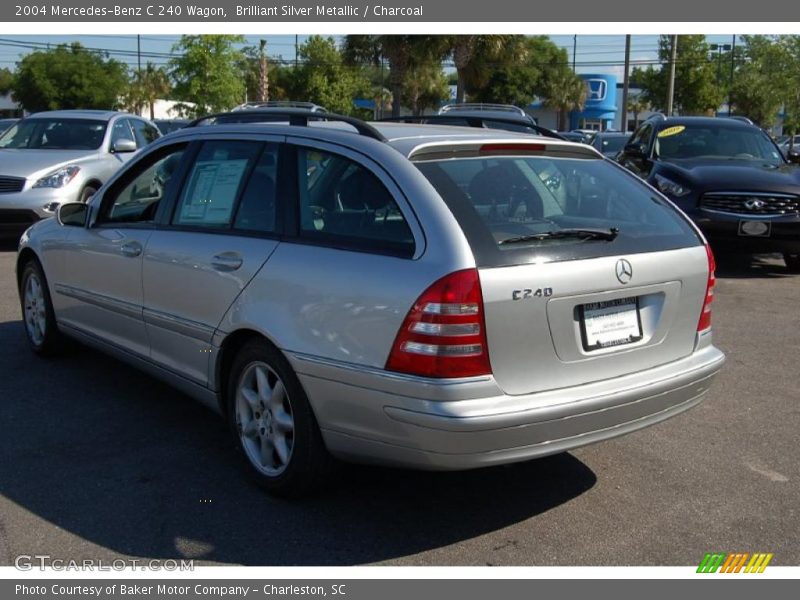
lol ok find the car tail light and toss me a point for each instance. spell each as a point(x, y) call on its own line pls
point(705, 317)
point(444, 334)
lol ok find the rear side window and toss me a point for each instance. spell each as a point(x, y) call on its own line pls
point(508, 206)
point(215, 179)
point(344, 205)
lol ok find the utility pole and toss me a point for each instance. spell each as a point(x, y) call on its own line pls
point(139, 52)
point(671, 85)
point(263, 73)
point(296, 50)
point(574, 50)
point(730, 86)
point(625, 84)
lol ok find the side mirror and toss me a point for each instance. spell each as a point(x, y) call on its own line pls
point(123, 145)
point(72, 214)
point(635, 150)
point(793, 156)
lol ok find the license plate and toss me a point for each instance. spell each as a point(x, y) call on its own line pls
point(611, 323)
point(755, 228)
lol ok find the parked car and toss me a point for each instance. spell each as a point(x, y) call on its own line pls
point(166, 126)
point(609, 143)
point(502, 114)
point(573, 136)
point(51, 158)
point(281, 104)
point(728, 176)
point(790, 143)
point(402, 294)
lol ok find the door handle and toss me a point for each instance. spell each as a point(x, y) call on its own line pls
point(131, 249)
point(227, 261)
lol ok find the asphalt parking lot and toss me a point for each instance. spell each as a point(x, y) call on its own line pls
point(100, 461)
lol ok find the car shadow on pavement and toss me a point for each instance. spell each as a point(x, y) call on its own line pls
point(134, 468)
point(747, 266)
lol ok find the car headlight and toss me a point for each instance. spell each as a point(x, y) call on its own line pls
point(670, 188)
point(58, 178)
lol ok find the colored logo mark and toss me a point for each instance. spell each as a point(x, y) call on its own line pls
point(734, 562)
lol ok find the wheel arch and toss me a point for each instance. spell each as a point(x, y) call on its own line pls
point(25, 255)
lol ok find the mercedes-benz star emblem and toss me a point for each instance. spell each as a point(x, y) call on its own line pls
point(624, 271)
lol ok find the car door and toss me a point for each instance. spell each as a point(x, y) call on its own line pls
point(636, 162)
point(222, 229)
point(101, 292)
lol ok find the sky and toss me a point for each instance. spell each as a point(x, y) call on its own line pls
point(595, 53)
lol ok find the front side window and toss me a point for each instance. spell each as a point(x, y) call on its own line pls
point(121, 130)
point(344, 204)
point(136, 200)
point(55, 134)
point(214, 182)
point(515, 209)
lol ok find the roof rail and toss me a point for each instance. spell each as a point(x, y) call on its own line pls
point(482, 106)
point(295, 116)
point(473, 121)
point(281, 104)
point(657, 117)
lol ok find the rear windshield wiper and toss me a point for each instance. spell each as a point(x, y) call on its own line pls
point(587, 234)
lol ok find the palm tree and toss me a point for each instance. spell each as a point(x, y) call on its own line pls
point(403, 53)
point(564, 91)
point(636, 104)
point(147, 86)
point(464, 49)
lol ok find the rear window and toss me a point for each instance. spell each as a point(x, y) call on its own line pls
point(512, 209)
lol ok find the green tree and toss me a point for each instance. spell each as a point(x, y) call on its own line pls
point(564, 91)
point(325, 79)
point(146, 86)
point(521, 80)
point(471, 53)
point(425, 87)
point(68, 76)
point(207, 72)
point(636, 104)
point(6, 81)
point(404, 53)
point(697, 88)
point(759, 86)
point(791, 47)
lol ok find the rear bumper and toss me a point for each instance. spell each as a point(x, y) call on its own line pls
point(371, 417)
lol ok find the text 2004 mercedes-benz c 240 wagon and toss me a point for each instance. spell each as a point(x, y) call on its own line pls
point(417, 295)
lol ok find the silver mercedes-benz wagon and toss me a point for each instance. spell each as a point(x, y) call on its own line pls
point(415, 295)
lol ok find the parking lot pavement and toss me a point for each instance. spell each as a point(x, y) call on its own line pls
point(102, 462)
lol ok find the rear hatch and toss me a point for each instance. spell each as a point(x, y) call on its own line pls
point(586, 273)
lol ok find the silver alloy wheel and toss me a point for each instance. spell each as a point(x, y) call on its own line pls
point(264, 419)
point(35, 310)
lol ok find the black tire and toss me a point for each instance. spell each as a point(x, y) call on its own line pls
point(792, 262)
point(34, 319)
point(87, 193)
point(308, 464)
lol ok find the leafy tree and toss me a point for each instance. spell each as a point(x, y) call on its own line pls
point(697, 89)
point(470, 54)
point(521, 80)
point(6, 81)
point(791, 47)
point(324, 78)
point(759, 87)
point(68, 76)
point(425, 87)
point(404, 53)
point(207, 72)
point(147, 86)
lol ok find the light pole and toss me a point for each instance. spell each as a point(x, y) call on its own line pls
point(719, 49)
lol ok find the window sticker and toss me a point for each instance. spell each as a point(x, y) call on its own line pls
point(213, 191)
point(671, 131)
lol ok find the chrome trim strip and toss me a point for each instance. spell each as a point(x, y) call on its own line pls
point(186, 327)
point(765, 194)
point(748, 216)
point(367, 370)
point(113, 304)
